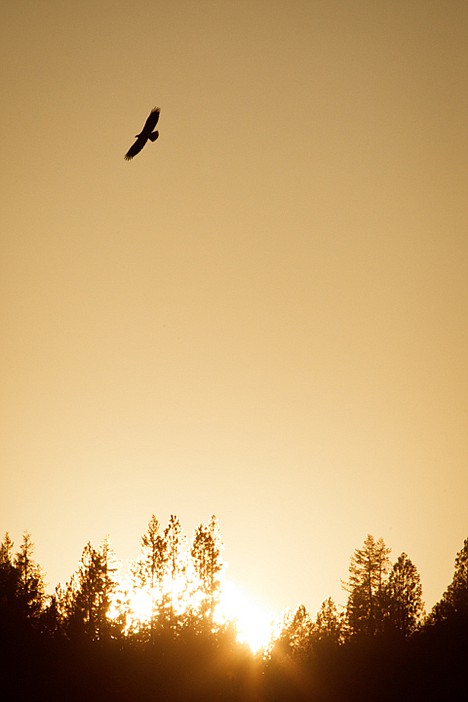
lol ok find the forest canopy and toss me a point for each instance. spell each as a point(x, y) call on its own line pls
point(166, 611)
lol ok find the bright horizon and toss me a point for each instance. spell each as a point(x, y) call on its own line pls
point(262, 316)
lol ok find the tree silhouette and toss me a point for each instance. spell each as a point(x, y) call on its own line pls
point(8, 586)
point(175, 579)
point(87, 598)
point(454, 602)
point(30, 585)
point(22, 589)
point(207, 563)
point(328, 625)
point(148, 574)
point(295, 634)
point(76, 644)
point(368, 570)
point(405, 608)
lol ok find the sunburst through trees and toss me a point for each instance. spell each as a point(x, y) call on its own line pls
point(173, 585)
point(174, 626)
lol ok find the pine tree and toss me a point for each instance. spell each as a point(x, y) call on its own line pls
point(207, 563)
point(87, 598)
point(30, 586)
point(295, 635)
point(110, 584)
point(176, 570)
point(148, 575)
point(365, 610)
point(328, 625)
point(8, 585)
point(51, 620)
point(454, 602)
point(6, 552)
point(405, 608)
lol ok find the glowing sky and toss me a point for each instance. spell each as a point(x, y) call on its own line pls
point(264, 315)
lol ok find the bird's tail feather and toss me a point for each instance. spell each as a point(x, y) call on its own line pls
point(154, 136)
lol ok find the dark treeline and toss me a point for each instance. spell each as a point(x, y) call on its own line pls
point(158, 636)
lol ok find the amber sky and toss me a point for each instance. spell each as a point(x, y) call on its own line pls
point(263, 316)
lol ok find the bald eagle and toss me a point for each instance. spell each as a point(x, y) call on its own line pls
point(145, 134)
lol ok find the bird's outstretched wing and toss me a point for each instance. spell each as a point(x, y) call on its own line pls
point(135, 148)
point(151, 122)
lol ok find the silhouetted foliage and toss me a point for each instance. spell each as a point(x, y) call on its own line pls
point(329, 624)
point(87, 642)
point(176, 570)
point(295, 636)
point(454, 602)
point(9, 578)
point(87, 598)
point(368, 570)
point(206, 558)
point(148, 574)
point(22, 590)
point(405, 608)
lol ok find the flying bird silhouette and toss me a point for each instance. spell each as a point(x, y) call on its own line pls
point(145, 134)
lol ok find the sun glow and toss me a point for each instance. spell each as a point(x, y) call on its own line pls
point(141, 606)
point(254, 622)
